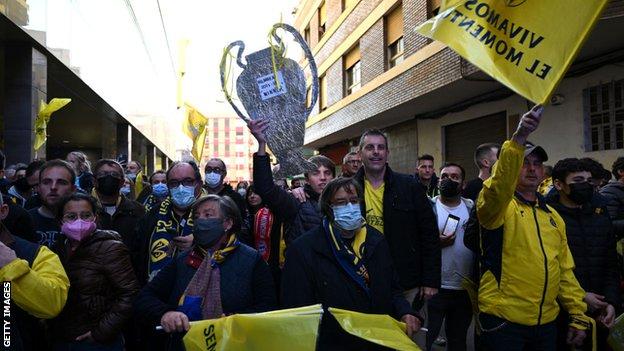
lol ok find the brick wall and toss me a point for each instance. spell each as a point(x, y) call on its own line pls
point(334, 82)
point(334, 9)
point(414, 13)
point(439, 70)
point(314, 25)
point(372, 50)
point(361, 11)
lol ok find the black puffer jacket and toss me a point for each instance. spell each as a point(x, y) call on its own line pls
point(411, 229)
point(299, 217)
point(614, 193)
point(592, 243)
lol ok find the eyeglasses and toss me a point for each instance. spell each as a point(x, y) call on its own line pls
point(85, 216)
point(113, 174)
point(215, 170)
point(174, 183)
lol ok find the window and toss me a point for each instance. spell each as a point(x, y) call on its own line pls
point(227, 125)
point(306, 35)
point(352, 66)
point(604, 116)
point(239, 131)
point(308, 96)
point(434, 8)
point(394, 37)
point(322, 18)
point(322, 93)
point(395, 53)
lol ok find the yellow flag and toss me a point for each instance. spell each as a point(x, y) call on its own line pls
point(526, 45)
point(292, 329)
point(195, 128)
point(138, 184)
point(43, 117)
point(380, 329)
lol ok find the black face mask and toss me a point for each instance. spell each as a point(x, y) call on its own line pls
point(449, 188)
point(207, 231)
point(108, 185)
point(581, 193)
point(22, 185)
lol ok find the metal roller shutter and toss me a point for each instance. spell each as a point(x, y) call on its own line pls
point(461, 139)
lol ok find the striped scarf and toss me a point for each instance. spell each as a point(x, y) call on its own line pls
point(202, 297)
point(161, 251)
point(263, 223)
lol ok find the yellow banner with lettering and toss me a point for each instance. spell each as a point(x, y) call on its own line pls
point(291, 329)
point(526, 45)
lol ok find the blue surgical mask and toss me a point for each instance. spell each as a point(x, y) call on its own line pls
point(348, 217)
point(207, 231)
point(183, 196)
point(125, 190)
point(213, 179)
point(160, 190)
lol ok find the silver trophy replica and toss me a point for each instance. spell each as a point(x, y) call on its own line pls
point(273, 87)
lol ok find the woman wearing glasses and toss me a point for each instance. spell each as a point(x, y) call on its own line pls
point(102, 282)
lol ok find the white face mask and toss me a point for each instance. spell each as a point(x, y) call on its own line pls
point(213, 179)
point(242, 192)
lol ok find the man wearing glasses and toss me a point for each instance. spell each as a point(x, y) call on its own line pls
point(167, 229)
point(351, 164)
point(57, 180)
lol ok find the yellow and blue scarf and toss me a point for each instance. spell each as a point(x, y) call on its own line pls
point(161, 252)
point(150, 202)
point(349, 258)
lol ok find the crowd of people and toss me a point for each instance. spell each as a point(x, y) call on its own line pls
point(100, 255)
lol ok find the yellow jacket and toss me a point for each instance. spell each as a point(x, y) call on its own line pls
point(40, 290)
point(526, 263)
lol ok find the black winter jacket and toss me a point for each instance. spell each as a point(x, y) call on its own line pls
point(411, 229)
point(614, 193)
point(313, 275)
point(124, 221)
point(299, 217)
point(592, 243)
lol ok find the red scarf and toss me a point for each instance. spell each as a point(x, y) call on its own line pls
point(263, 222)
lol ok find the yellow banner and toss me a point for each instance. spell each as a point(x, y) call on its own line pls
point(195, 128)
point(292, 329)
point(43, 117)
point(376, 328)
point(526, 45)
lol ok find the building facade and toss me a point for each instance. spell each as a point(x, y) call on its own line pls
point(229, 139)
point(376, 72)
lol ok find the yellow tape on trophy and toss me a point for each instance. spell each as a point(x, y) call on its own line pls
point(526, 45)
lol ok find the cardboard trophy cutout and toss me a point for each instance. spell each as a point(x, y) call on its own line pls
point(283, 102)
